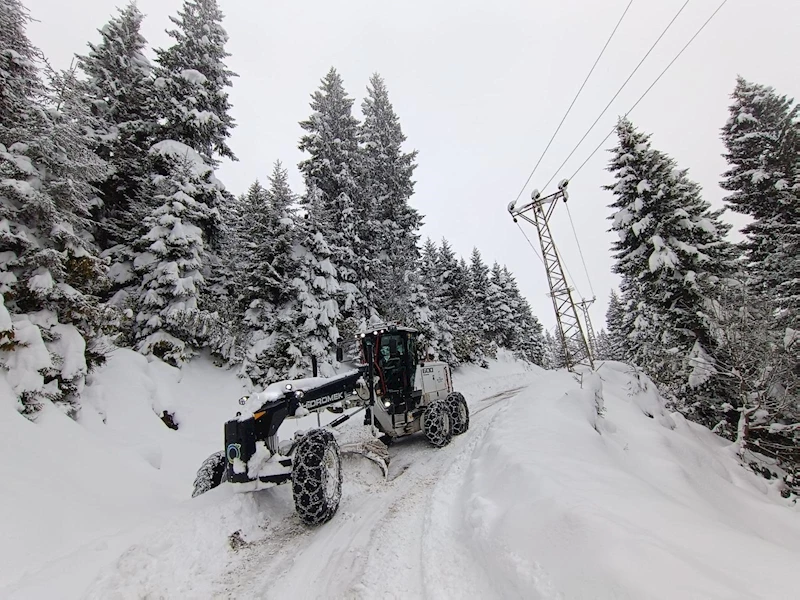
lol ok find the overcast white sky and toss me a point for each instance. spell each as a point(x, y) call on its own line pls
point(479, 87)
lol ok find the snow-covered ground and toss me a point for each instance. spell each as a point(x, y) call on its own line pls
point(539, 499)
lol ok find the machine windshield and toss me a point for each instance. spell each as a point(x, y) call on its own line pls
point(392, 361)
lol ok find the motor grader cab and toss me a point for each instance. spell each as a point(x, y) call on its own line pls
point(404, 385)
point(399, 394)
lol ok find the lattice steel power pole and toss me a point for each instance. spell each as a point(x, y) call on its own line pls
point(538, 213)
point(587, 320)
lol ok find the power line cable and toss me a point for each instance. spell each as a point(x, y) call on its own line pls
point(531, 244)
point(568, 275)
point(619, 91)
point(652, 85)
point(564, 118)
point(580, 251)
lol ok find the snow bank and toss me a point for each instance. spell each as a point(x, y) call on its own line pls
point(634, 504)
point(77, 494)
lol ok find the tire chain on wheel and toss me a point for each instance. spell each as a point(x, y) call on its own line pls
point(308, 477)
point(210, 474)
point(459, 412)
point(438, 424)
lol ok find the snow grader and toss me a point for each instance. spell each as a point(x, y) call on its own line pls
point(399, 392)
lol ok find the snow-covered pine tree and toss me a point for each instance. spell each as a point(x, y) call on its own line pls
point(468, 339)
point(221, 268)
point(339, 205)
point(191, 101)
point(49, 271)
point(316, 288)
point(762, 364)
point(19, 74)
point(118, 88)
point(526, 335)
point(603, 350)
point(499, 319)
point(390, 226)
point(554, 352)
point(419, 312)
point(192, 79)
point(170, 322)
point(762, 141)
point(453, 293)
point(615, 342)
point(477, 311)
point(440, 346)
point(255, 219)
point(268, 266)
point(668, 238)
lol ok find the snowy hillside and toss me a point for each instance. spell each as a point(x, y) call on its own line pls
point(540, 498)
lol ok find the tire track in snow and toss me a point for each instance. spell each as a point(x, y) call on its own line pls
point(396, 565)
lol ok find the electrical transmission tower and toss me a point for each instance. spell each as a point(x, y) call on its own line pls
point(584, 306)
point(538, 213)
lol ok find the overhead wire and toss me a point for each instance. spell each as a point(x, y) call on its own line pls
point(663, 72)
point(530, 243)
point(619, 91)
point(568, 274)
point(580, 251)
point(575, 99)
point(652, 85)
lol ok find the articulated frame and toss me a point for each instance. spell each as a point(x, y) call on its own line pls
point(573, 339)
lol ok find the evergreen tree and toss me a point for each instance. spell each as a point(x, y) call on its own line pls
point(118, 89)
point(525, 331)
point(615, 339)
point(338, 203)
point(20, 82)
point(316, 288)
point(668, 238)
point(762, 139)
point(440, 346)
point(554, 351)
point(192, 103)
point(222, 267)
point(268, 267)
point(477, 345)
point(419, 312)
point(50, 274)
point(254, 242)
point(468, 338)
point(191, 82)
point(499, 317)
point(603, 346)
point(389, 224)
point(170, 323)
point(453, 286)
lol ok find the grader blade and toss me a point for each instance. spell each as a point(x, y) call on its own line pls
point(374, 450)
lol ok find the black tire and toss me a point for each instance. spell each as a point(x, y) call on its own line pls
point(437, 423)
point(210, 474)
point(459, 412)
point(316, 477)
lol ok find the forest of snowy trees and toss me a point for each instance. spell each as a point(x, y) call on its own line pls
point(115, 231)
point(713, 323)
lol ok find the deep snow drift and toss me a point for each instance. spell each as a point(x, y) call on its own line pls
point(540, 498)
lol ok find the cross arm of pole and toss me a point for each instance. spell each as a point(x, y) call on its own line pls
point(537, 201)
